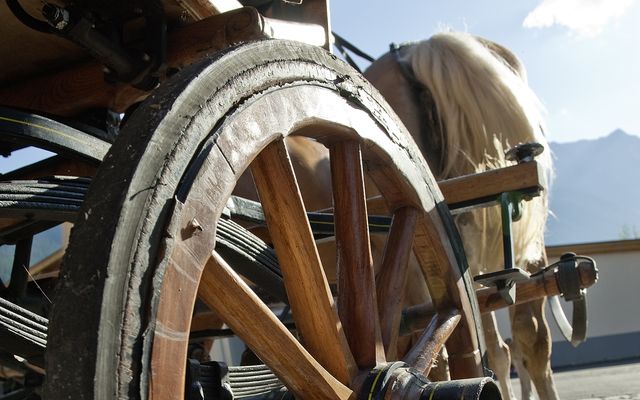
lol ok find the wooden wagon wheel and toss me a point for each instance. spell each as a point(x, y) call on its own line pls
point(144, 248)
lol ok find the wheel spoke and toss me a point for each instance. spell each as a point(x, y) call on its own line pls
point(434, 336)
point(392, 278)
point(307, 287)
point(357, 304)
point(446, 288)
point(227, 294)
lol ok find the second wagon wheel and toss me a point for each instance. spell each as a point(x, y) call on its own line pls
point(143, 251)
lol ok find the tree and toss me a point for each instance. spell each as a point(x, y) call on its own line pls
point(628, 232)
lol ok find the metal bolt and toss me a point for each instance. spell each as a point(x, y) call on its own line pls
point(194, 227)
point(57, 17)
point(524, 152)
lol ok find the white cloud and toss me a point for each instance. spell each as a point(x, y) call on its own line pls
point(586, 17)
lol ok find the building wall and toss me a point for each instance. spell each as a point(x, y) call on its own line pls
point(613, 306)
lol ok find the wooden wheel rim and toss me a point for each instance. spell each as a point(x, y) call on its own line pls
point(383, 142)
point(224, 162)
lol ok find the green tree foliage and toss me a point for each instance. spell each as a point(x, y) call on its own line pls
point(628, 232)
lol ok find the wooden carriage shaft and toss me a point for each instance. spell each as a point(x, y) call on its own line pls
point(80, 87)
point(416, 317)
point(469, 191)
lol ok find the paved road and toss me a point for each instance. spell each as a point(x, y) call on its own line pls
point(611, 382)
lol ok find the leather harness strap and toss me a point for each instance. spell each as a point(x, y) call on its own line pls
point(431, 129)
point(343, 45)
point(568, 280)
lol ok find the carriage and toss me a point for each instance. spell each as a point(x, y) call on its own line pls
point(227, 175)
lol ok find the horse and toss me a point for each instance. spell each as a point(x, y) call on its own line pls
point(466, 100)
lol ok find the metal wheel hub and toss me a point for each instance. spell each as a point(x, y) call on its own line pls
point(398, 381)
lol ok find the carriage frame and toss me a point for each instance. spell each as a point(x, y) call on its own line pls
point(99, 62)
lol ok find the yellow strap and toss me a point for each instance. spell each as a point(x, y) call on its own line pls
point(433, 391)
point(45, 128)
point(373, 385)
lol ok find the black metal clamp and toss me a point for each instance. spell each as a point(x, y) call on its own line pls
point(510, 203)
point(84, 27)
point(394, 379)
point(375, 384)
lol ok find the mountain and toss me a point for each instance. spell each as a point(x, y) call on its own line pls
point(596, 193)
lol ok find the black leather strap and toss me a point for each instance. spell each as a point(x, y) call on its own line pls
point(431, 137)
point(568, 280)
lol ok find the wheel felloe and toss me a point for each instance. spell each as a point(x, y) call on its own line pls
point(177, 162)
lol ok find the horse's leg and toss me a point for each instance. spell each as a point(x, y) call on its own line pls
point(532, 337)
point(498, 353)
point(526, 389)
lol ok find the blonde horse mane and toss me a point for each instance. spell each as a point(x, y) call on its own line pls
point(484, 106)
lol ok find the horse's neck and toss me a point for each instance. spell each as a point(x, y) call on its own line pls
point(387, 76)
point(466, 145)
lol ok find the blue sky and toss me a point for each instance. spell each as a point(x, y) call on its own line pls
point(582, 56)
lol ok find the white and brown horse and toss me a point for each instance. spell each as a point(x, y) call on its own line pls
point(466, 100)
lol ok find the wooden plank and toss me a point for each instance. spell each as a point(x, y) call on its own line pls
point(317, 12)
point(476, 188)
point(201, 9)
point(307, 287)
point(447, 288)
point(534, 288)
point(204, 320)
point(56, 165)
point(357, 305)
point(70, 91)
point(312, 34)
point(78, 88)
point(526, 177)
point(617, 246)
point(392, 279)
point(537, 287)
point(314, 12)
point(25, 51)
point(50, 263)
point(226, 293)
point(311, 29)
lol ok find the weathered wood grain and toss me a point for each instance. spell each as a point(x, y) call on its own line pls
point(434, 336)
point(77, 88)
point(392, 279)
point(357, 305)
point(226, 293)
point(307, 287)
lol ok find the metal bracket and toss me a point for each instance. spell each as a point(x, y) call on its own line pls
point(511, 210)
point(505, 280)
